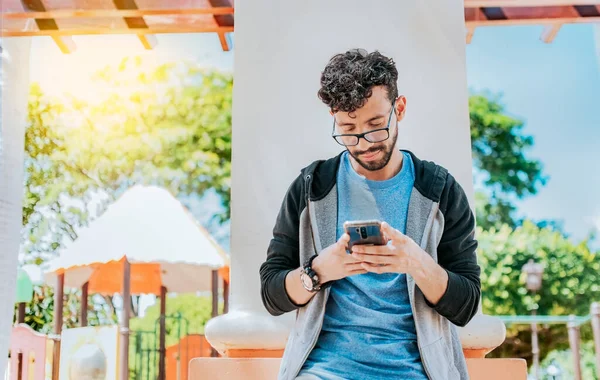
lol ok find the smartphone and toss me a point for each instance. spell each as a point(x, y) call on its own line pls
point(364, 232)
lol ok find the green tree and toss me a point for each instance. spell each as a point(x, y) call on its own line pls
point(39, 312)
point(571, 282)
point(500, 149)
point(168, 126)
point(564, 360)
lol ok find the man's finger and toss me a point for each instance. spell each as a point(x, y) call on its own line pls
point(348, 259)
point(353, 265)
point(373, 259)
point(373, 249)
point(358, 271)
point(375, 268)
point(392, 233)
point(344, 239)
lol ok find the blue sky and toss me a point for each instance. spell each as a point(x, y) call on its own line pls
point(554, 87)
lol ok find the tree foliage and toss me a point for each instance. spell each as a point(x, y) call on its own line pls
point(500, 152)
point(168, 126)
point(563, 359)
point(571, 282)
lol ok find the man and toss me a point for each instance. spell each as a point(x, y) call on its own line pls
point(378, 311)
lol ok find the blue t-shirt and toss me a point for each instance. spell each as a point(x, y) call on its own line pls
point(368, 329)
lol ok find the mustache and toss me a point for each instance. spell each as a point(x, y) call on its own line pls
point(368, 151)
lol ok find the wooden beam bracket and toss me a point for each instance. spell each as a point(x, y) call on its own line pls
point(149, 41)
point(64, 43)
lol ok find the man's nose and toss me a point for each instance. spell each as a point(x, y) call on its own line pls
point(363, 144)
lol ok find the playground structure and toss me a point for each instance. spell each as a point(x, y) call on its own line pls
point(162, 248)
point(31, 354)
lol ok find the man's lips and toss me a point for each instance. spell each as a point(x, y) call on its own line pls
point(369, 156)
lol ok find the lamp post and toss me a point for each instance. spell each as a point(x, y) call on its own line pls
point(553, 371)
point(533, 280)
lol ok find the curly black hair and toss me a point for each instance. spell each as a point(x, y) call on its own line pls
point(348, 79)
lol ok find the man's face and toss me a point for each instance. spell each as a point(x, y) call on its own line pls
point(375, 114)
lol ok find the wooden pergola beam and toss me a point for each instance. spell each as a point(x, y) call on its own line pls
point(533, 21)
point(477, 15)
point(532, 14)
point(543, 15)
point(148, 40)
point(113, 13)
point(470, 32)
point(65, 43)
point(526, 3)
point(222, 20)
point(97, 31)
point(523, 13)
point(549, 13)
point(224, 42)
point(550, 32)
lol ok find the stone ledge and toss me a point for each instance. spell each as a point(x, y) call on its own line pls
point(246, 331)
point(241, 330)
point(267, 368)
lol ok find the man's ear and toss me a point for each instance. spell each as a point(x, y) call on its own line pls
point(400, 107)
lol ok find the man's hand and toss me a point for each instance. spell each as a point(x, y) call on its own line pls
point(403, 255)
point(400, 255)
point(334, 263)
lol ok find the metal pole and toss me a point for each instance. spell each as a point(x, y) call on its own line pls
point(215, 293)
point(215, 300)
point(84, 304)
point(574, 344)
point(225, 297)
point(535, 349)
point(58, 323)
point(21, 313)
point(125, 322)
point(162, 334)
point(595, 312)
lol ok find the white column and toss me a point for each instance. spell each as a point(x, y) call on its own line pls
point(14, 90)
point(280, 126)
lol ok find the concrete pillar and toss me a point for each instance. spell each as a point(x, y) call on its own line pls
point(14, 91)
point(280, 126)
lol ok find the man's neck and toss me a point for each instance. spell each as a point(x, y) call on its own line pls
point(392, 168)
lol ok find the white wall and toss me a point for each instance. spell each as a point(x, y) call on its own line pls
point(279, 124)
point(14, 90)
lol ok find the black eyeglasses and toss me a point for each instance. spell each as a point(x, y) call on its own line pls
point(374, 136)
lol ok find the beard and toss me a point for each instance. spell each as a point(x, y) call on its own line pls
point(387, 150)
